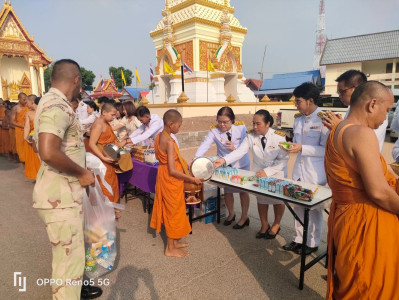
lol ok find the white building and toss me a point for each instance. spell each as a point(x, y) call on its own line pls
point(376, 55)
point(197, 32)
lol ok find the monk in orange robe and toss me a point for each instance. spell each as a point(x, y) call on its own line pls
point(363, 226)
point(169, 204)
point(32, 161)
point(18, 121)
point(101, 134)
point(11, 131)
point(2, 116)
point(5, 134)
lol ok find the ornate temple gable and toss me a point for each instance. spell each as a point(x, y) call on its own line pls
point(186, 53)
point(200, 11)
point(15, 40)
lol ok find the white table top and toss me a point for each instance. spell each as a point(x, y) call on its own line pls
point(322, 194)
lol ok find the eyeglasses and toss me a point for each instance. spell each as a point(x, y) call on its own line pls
point(340, 92)
point(297, 102)
point(223, 122)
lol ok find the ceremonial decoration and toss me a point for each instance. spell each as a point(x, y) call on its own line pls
point(204, 36)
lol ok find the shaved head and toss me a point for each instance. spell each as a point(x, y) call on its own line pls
point(368, 91)
point(21, 96)
point(107, 107)
point(65, 70)
point(32, 97)
point(172, 116)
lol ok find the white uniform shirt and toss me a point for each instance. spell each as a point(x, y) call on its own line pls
point(81, 111)
point(395, 151)
point(379, 132)
point(238, 133)
point(310, 132)
point(273, 160)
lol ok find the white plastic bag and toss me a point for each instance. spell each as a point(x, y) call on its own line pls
point(99, 233)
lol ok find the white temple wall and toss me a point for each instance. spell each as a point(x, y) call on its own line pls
point(12, 69)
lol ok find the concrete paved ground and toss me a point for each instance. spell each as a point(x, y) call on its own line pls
point(223, 263)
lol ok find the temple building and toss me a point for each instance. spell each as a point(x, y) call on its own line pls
point(208, 38)
point(105, 88)
point(22, 62)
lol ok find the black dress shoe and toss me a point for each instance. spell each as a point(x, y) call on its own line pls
point(261, 235)
point(90, 292)
point(246, 223)
point(308, 250)
point(271, 236)
point(227, 222)
point(291, 246)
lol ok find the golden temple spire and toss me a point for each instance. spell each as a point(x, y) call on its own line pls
point(166, 4)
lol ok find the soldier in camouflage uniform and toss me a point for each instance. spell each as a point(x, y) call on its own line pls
point(60, 182)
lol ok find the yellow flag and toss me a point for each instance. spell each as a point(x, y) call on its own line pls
point(167, 68)
point(211, 68)
point(123, 78)
point(137, 76)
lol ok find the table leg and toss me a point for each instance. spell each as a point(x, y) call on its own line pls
point(304, 242)
point(218, 206)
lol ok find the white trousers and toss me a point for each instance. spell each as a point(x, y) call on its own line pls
point(314, 229)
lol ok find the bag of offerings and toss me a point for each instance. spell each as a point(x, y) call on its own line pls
point(99, 232)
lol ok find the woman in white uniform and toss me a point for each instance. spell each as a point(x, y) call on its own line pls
point(269, 160)
point(92, 111)
point(228, 135)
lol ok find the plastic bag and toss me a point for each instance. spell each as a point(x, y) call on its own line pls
point(99, 233)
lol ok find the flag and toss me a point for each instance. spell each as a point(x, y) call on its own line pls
point(102, 82)
point(137, 76)
point(123, 77)
point(187, 68)
point(151, 74)
point(211, 68)
point(112, 79)
point(167, 68)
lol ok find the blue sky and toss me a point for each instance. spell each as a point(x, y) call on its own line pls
point(103, 33)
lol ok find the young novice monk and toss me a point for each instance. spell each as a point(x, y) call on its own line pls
point(169, 204)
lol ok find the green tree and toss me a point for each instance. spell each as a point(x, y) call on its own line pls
point(117, 73)
point(151, 86)
point(87, 78)
point(47, 74)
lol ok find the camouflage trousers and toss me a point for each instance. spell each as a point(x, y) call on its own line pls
point(65, 231)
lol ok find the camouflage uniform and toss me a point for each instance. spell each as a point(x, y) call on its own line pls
point(58, 197)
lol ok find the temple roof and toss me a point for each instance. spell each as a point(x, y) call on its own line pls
point(16, 39)
point(205, 11)
point(109, 90)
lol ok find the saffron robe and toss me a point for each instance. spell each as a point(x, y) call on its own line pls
point(20, 142)
point(13, 147)
point(108, 137)
point(363, 239)
point(169, 204)
point(32, 161)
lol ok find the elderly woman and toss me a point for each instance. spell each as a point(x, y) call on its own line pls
point(268, 160)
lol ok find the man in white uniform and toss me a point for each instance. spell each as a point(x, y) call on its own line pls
point(347, 83)
point(81, 111)
point(310, 136)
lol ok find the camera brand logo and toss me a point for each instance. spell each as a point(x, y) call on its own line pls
point(20, 281)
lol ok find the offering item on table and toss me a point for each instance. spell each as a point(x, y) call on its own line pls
point(226, 172)
point(238, 179)
point(149, 157)
point(138, 152)
point(253, 178)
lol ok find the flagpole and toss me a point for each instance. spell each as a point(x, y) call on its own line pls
point(182, 78)
point(207, 79)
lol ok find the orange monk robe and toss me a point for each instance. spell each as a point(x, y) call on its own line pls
point(32, 162)
point(20, 142)
point(2, 115)
point(107, 137)
point(13, 147)
point(6, 141)
point(169, 204)
point(363, 239)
